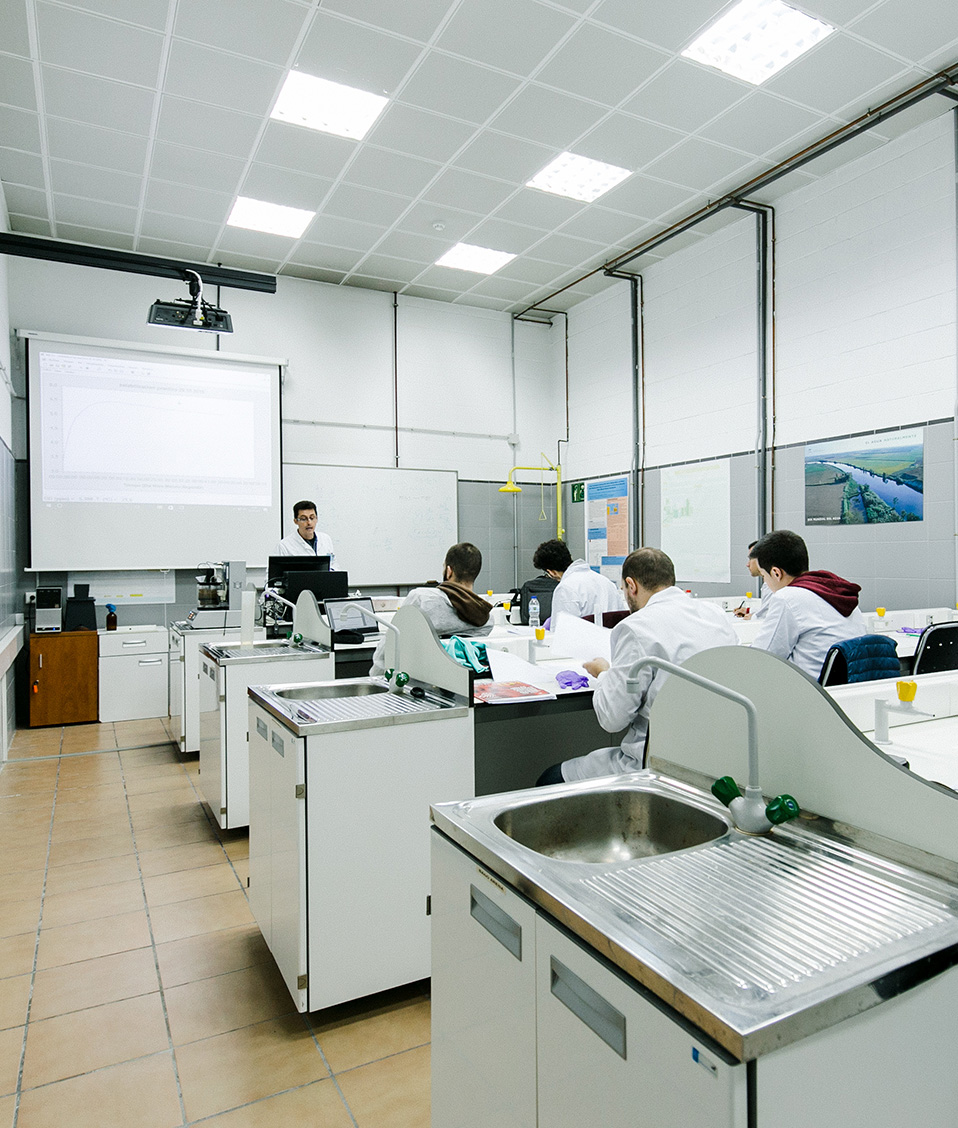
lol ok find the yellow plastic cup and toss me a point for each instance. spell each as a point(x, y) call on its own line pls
point(506, 606)
point(748, 595)
point(540, 634)
point(880, 612)
point(906, 690)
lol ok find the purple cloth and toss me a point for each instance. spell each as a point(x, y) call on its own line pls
point(569, 679)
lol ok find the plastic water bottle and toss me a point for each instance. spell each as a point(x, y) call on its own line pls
point(534, 613)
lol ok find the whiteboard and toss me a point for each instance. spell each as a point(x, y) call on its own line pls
point(388, 526)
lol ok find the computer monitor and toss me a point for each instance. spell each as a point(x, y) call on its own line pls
point(343, 615)
point(278, 565)
point(324, 585)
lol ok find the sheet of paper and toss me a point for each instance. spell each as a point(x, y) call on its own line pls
point(509, 667)
point(575, 638)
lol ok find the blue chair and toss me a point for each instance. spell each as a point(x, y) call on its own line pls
point(937, 649)
point(867, 658)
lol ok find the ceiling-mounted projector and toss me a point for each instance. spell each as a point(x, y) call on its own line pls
point(192, 312)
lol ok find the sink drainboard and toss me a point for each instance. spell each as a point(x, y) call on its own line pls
point(761, 915)
point(363, 708)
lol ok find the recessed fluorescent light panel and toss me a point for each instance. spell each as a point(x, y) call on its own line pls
point(327, 106)
point(756, 38)
point(481, 260)
point(578, 178)
point(274, 219)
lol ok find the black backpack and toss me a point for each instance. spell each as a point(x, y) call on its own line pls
point(542, 587)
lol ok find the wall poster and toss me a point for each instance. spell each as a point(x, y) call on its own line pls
point(869, 480)
point(696, 521)
point(607, 525)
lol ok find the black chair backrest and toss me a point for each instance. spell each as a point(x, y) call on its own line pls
point(937, 649)
point(834, 668)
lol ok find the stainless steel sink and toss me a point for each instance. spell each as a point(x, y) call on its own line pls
point(616, 825)
point(325, 692)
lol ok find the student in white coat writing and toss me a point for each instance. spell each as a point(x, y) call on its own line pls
point(307, 540)
point(665, 623)
point(581, 590)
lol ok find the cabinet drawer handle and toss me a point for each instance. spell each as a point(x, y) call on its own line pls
point(497, 923)
point(589, 1006)
point(137, 642)
point(150, 662)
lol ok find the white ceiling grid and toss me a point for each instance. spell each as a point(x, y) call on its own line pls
point(136, 125)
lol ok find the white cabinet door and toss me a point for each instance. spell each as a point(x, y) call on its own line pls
point(609, 1055)
point(483, 997)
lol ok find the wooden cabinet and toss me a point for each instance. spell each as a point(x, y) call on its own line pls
point(64, 682)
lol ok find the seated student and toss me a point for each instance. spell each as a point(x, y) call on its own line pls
point(666, 623)
point(807, 612)
point(452, 606)
point(751, 565)
point(307, 540)
point(581, 591)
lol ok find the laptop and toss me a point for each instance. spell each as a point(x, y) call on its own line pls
point(344, 616)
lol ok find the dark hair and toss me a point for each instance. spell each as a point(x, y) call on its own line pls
point(465, 560)
point(552, 554)
point(650, 568)
point(301, 505)
point(751, 546)
point(782, 549)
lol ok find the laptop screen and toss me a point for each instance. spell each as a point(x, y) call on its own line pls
point(344, 616)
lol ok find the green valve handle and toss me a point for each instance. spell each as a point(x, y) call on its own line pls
point(781, 809)
point(388, 674)
point(725, 790)
point(402, 679)
point(297, 638)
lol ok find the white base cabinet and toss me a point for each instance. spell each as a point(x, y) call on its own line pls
point(133, 674)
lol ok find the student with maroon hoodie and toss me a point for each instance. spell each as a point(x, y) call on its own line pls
point(807, 612)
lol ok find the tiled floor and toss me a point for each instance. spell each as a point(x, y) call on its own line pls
point(135, 989)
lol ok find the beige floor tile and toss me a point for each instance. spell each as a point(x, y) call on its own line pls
point(193, 855)
point(241, 865)
point(11, 1043)
point(16, 856)
point(16, 954)
point(226, 1002)
point(32, 751)
point(168, 888)
point(30, 739)
point(171, 815)
point(151, 754)
point(235, 843)
point(364, 1031)
point(180, 834)
point(92, 903)
point(316, 1104)
point(169, 799)
point(392, 1093)
point(91, 938)
point(31, 781)
point(21, 886)
point(245, 1065)
point(98, 813)
point(14, 996)
point(67, 851)
point(7, 1109)
point(94, 791)
point(202, 914)
point(88, 875)
point(90, 983)
point(211, 953)
point(148, 784)
point(87, 742)
point(75, 1043)
point(32, 825)
point(13, 801)
point(20, 916)
point(82, 770)
point(136, 1094)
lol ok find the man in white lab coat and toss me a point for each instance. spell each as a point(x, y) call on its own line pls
point(581, 591)
point(307, 540)
point(452, 606)
point(807, 612)
point(666, 623)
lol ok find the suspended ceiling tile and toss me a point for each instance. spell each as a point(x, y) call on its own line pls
point(505, 288)
point(196, 167)
point(90, 144)
point(841, 13)
point(169, 228)
point(376, 168)
point(791, 182)
point(419, 133)
point(102, 184)
point(685, 95)
point(239, 241)
point(474, 299)
point(180, 199)
point(457, 88)
point(914, 116)
point(17, 167)
point(97, 101)
point(447, 278)
point(601, 226)
point(535, 271)
point(763, 122)
point(249, 262)
point(145, 13)
point(353, 202)
point(503, 236)
point(366, 282)
point(538, 114)
point(95, 237)
point(507, 157)
point(393, 269)
point(646, 198)
point(339, 232)
point(25, 201)
point(216, 130)
point(110, 49)
point(17, 86)
point(20, 129)
point(697, 164)
point(94, 214)
point(346, 52)
point(833, 73)
point(459, 188)
point(416, 248)
point(313, 273)
point(418, 20)
point(245, 27)
point(282, 186)
point(433, 293)
point(539, 209)
point(916, 38)
point(14, 33)
point(851, 150)
point(205, 75)
point(305, 150)
point(598, 64)
point(171, 248)
point(329, 258)
point(627, 142)
point(421, 219)
point(567, 251)
point(479, 32)
point(30, 225)
point(670, 26)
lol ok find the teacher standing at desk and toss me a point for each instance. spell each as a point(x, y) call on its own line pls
point(306, 540)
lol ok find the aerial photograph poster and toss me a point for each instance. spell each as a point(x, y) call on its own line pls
point(869, 480)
